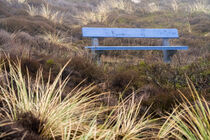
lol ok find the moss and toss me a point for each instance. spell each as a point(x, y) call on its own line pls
point(122, 20)
point(142, 64)
point(50, 62)
point(178, 85)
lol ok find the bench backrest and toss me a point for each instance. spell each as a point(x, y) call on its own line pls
point(129, 33)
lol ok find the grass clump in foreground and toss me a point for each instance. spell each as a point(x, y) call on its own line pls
point(23, 98)
point(45, 110)
point(34, 108)
point(189, 120)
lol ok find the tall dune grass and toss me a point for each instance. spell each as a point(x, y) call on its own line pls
point(200, 6)
point(44, 101)
point(60, 114)
point(101, 13)
point(74, 116)
point(60, 39)
point(127, 123)
point(31, 10)
point(18, 1)
point(124, 122)
point(189, 120)
point(47, 12)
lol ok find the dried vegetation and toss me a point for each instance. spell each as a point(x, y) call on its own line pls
point(132, 95)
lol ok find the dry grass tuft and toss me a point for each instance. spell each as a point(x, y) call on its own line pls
point(32, 11)
point(18, 1)
point(54, 16)
point(200, 6)
point(43, 103)
point(189, 120)
point(175, 5)
point(153, 7)
point(46, 12)
point(59, 39)
point(128, 124)
point(101, 13)
point(55, 38)
point(124, 122)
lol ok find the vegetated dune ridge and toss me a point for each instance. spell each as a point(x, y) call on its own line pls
point(131, 95)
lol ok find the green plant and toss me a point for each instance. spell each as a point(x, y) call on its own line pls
point(50, 62)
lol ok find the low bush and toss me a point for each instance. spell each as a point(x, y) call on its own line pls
point(27, 65)
point(166, 76)
point(120, 80)
point(80, 68)
point(31, 25)
point(4, 37)
point(5, 11)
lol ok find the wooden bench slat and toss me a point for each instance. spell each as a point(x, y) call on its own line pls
point(129, 33)
point(137, 47)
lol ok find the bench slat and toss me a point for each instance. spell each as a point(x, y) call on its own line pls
point(129, 32)
point(137, 47)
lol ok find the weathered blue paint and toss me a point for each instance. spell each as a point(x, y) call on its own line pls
point(94, 43)
point(129, 33)
point(137, 47)
point(166, 57)
point(95, 55)
point(165, 34)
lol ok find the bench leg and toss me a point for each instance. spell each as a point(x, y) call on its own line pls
point(93, 53)
point(167, 54)
point(98, 57)
point(96, 54)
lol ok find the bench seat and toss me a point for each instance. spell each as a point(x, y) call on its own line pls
point(137, 47)
point(165, 34)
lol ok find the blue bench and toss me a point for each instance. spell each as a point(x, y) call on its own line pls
point(164, 34)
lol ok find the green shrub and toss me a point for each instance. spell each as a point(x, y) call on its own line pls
point(50, 62)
